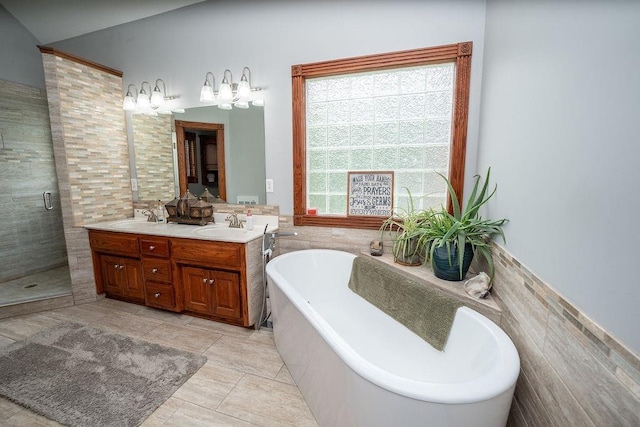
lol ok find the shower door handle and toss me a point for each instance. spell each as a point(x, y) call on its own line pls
point(46, 197)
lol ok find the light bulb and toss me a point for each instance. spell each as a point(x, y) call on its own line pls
point(244, 90)
point(225, 96)
point(157, 100)
point(143, 102)
point(206, 93)
point(129, 103)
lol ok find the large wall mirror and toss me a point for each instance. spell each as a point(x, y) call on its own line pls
point(165, 165)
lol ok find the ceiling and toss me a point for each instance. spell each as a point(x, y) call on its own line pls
point(54, 20)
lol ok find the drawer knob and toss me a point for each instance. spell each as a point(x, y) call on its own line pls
point(211, 281)
point(120, 267)
point(116, 266)
point(157, 295)
point(204, 280)
point(154, 270)
point(151, 247)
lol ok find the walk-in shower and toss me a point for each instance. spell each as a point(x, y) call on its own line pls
point(33, 257)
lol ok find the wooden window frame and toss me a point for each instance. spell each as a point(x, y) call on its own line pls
point(459, 53)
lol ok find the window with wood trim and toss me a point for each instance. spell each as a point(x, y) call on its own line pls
point(402, 111)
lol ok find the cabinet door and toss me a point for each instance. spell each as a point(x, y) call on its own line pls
point(197, 290)
point(226, 294)
point(110, 267)
point(122, 276)
point(131, 276)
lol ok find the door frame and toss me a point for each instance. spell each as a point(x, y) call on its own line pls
point(180, 126)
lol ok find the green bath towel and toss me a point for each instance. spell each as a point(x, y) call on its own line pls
point(426, 311)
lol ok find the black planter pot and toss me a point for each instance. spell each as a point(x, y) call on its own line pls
point(450, 270)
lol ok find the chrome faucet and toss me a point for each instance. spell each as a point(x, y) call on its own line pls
point(234, 221)
point(151, 216)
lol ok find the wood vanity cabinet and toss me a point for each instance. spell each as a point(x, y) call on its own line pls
point(199, 277)
point(213, 279)
point(117, 265)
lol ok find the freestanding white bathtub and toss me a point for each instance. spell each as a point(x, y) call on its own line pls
point(356, 366)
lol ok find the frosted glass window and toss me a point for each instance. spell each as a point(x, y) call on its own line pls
point(398, 120)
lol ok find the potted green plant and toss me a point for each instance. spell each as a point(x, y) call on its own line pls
point(405, 226)
point(454, 238)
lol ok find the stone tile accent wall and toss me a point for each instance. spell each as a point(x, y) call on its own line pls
point(91, 155)
point(255, 209)
point(153, 157)
point(31, 237)
point(573, 373)
point(90, 127)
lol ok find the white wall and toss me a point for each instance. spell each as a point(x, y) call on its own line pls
point(270, 37)
point(560, 127)
point(20, 59)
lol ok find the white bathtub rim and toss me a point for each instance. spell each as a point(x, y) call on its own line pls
point(494, 382)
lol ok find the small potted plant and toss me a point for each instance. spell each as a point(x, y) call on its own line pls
point(406, 227)
point(454, 238)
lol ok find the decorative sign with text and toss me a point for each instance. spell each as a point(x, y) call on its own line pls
point(370, 193)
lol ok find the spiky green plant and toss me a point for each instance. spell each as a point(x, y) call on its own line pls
point(405, 227)
point(454, 230)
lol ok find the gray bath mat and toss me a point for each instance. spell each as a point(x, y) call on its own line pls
point(82, 376)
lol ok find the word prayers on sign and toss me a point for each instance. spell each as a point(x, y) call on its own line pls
point(370, 193)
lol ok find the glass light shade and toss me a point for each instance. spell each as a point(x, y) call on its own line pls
point(225, 96)
point(206, 93)
point(244, 90)
point(129, 103)
point(225, 106)
point(157, 100)
point(241, 104)
point(143, 101)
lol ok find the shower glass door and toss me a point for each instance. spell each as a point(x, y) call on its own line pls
point(33, 256)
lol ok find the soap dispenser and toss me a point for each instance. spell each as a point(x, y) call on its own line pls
point(249, 220)
point(160, 213)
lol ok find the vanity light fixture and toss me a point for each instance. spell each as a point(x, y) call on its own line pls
point(230, 94)
point(154, 105)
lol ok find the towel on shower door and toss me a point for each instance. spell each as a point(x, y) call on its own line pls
point(424, 310)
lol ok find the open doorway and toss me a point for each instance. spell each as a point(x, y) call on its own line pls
point(201, 161)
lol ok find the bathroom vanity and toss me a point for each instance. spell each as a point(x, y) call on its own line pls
point(212, 271)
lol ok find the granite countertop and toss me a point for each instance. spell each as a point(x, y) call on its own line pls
point(218, 231)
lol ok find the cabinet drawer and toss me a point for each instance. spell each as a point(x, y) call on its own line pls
point(154, 246)
point(116, 243)
point(208, 253)
point(156, 269)
point(160, 296)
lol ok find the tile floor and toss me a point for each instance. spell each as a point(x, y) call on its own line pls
point(243, 383)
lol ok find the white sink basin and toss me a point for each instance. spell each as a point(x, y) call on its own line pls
point(221, 232)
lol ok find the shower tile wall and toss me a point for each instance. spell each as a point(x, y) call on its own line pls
point(31, 237)
point(91, 152)
point(572, 371)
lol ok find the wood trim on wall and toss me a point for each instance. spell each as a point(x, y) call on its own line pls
point(460, 53)
point(71, 57)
